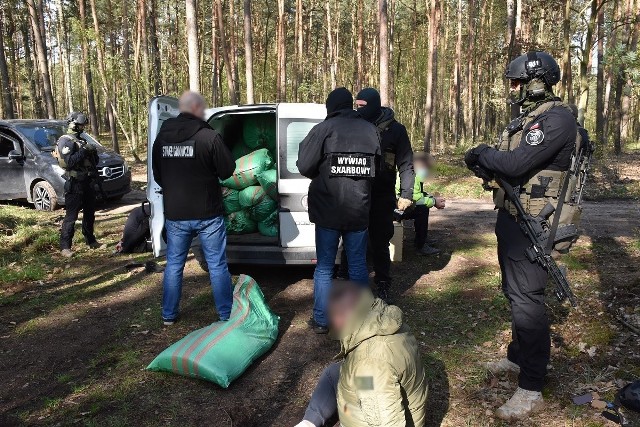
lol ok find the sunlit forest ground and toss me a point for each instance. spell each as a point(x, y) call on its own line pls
point(75, 336)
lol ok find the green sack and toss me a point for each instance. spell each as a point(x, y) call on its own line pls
point(240, 223)
point(251, 196)
point(259, 131)
point(247, 169)
point(240, 149)
point(269, 227)
point(263, 209)
point(230, 200)
point(222, 351)
point(269, 181)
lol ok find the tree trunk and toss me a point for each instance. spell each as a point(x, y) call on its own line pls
point(226, 52)
point(36, 104)
point(248, 51)
point(281, 83)
point(86, 68)
point(585, 62)
point(434, 18)
point(62, 43)
point(331, 46)
point(457, 106)
point(600, 136)
point(360, 52)
point(36, 12)
point(215, 60)
point(299, 36)
point(626, 121)
point(5, 83)
point(383, 22)
point(103, 76)
point(192, 45)
point(566, 89)
point(155, 50)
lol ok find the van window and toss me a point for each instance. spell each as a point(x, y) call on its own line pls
point(295, 130)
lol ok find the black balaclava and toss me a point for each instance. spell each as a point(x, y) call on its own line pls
point(373, 109)
point(339, 99)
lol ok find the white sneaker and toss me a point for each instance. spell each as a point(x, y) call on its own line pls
point(521, 405)
point(305, 423)
point(502, 366)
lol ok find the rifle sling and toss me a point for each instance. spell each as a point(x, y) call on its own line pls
point(556, 217)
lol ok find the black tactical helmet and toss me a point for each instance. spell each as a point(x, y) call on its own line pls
point(533, 65)
point(77, 118)
point(629, 396)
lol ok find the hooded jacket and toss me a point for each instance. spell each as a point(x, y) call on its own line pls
point(338, 202)
point(397, 154)
point(382, 379)
point(189, 160)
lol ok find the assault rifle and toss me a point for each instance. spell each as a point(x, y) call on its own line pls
point(94, 175)
point(536, 229)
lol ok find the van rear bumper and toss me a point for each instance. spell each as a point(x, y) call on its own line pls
point(245, 254)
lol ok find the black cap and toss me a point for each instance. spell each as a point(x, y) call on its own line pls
point(339, 99)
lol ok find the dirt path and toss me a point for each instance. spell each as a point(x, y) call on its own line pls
point(72, 350)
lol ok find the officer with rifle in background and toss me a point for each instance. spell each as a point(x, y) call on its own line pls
point(79, 159)
point(532, 176)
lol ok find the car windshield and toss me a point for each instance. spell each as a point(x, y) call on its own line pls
point(45, 136)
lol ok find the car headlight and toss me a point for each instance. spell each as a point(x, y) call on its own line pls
point(57, 169)
point(125, 167)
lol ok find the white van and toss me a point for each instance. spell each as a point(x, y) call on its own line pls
point(295, 243)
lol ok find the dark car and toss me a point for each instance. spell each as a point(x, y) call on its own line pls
point(28, 170)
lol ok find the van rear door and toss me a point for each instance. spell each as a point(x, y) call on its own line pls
point(161, 108)
point(294, 123)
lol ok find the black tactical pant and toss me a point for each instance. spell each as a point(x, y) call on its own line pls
point(420, 216)
point(523, 283)
point(81, 196)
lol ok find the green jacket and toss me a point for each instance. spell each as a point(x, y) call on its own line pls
point(382, 379)
point(420, 196)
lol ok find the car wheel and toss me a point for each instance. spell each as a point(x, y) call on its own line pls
point(44, 197)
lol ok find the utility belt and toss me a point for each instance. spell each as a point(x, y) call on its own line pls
point(542, 190)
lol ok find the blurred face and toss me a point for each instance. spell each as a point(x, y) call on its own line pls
point(360, 103)
point(198, 110)
point(340, 312)
point(515, 87)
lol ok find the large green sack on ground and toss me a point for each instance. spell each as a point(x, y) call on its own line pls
point(269, 181)
point(263, 209)
point(222, 351)
point(230, 200)
point(269, 227)
point(251, 196)
point(259, 131)
point(240, 149)
point(240, 223)
point(247, 169)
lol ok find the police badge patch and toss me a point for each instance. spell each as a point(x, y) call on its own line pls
point(534, 136)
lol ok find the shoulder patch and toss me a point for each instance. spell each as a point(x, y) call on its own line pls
point(65, 150)
point(534, 136)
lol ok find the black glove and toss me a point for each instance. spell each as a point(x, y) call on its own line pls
point(472, 156)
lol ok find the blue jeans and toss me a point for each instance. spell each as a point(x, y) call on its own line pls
point(327, 240)
point(213, 238)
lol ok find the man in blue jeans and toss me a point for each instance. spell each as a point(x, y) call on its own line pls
point(189, 160)
point(340, 156)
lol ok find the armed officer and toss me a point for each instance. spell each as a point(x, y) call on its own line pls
point(533, 155)
point(79, 159)
point(397, 158)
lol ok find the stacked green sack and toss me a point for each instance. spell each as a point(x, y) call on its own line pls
point(222, 351)
point(260, 131)
point(247, 169)
point(250, 195)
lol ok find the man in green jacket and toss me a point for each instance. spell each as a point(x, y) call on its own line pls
point(422, 163)
point(381, 379)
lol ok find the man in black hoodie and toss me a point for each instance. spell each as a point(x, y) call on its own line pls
point(340, 156)
point(397, 158)
point(189, 160)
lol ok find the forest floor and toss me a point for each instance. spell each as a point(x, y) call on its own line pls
point(75, 336)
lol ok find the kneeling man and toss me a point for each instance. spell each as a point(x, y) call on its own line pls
point(381, 379)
